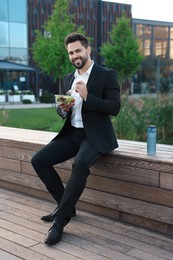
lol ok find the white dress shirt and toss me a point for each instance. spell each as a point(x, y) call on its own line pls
point(76, 118)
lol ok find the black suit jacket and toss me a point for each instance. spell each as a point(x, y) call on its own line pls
point(103, 100)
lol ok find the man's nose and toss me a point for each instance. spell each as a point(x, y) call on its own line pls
point(75, 55)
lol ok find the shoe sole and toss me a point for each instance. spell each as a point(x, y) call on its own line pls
point(51, 219)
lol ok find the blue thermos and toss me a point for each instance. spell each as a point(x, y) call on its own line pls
point(151, 140)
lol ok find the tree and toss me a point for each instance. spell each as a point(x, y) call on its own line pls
point(122, 52)
point(48, 49)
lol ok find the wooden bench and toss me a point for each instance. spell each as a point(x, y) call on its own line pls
point(125, 185)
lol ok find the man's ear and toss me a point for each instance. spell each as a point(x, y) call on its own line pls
point(89, 49)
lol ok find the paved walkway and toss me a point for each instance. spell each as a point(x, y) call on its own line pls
point(86, 237)
point(21, 105)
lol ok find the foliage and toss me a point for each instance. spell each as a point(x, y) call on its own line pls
point(11, 93)
point(2, 92)
point(28, 92)
point(26, 101)
point(165, 120)
point(47, 97)
point(137, 114)
point(122, 52)
point(48, 49)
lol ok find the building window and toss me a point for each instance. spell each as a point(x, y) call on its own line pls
point(171, 33)
point(17, 11)
point(18, 55)
point(13, 28)
point(4, 40)
point(146, 47)
point(4, 53)
point(171, 49)
point(18, 35)
point(143, 31)
point(160, 48)
point(161, 32)
point(3, 10)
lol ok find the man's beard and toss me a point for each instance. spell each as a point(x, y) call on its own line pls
point(81, 64)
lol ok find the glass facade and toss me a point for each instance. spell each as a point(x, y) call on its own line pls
point(156, 43)
point(13, 28)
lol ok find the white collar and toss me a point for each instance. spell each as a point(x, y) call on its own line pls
point(76, 74)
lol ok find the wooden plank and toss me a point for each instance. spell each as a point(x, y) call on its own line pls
point(140, 208)
point(98, 209)
point(26, 135)
point(10, 164)
point(126, 173)
point(22, 179)
point(87, 236)
point(131, 190)
point(26, 190)
point(27, 168)
point(6, 256)
point(146, 223)
point(151, 163)
point(20, 144)
point(166, 180)
point(21, 251)
point(16, 153)
point(13, 237)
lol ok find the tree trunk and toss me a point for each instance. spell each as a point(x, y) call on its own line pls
point(60, 85)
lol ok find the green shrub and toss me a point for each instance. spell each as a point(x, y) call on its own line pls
point(137, 114)
point(47, 97)
point(26, 101)
point(165, 122)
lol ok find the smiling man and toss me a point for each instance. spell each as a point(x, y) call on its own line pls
point(86, 135)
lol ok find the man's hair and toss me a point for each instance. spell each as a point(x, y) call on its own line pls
point(73, 37)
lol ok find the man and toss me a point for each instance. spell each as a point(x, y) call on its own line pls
point(86, 135)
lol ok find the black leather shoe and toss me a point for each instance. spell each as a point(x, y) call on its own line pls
point(54, 234)
point(49, 217)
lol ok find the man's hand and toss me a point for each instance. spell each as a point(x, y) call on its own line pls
point(81, 88)
point(66, 106)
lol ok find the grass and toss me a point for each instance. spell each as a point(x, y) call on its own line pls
point(130, 124)
point(35, 118)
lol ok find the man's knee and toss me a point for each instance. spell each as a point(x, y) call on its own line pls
point(35, 160)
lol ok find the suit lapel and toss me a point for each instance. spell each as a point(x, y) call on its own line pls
point(93, 75)
point(69, 82)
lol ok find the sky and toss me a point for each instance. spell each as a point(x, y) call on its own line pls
point(150, 9)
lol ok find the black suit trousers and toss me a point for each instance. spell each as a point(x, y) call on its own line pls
point(72, 144)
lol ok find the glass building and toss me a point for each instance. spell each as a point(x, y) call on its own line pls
point(14, 42)
point(156, 43)
point(13, 28)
